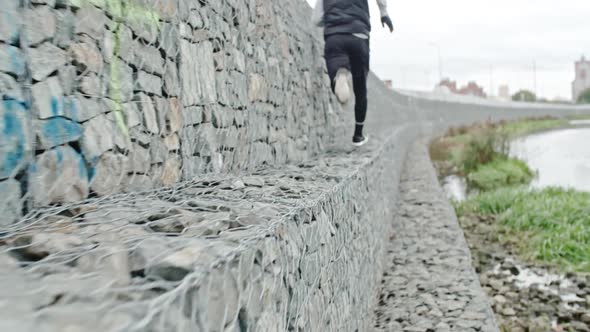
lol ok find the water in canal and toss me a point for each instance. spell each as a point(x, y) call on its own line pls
point(561, 157)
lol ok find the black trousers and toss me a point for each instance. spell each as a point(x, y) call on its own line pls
point(352, 53)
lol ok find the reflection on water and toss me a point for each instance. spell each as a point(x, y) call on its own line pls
point(561, 157)
point(580, 122)
point(455, 188)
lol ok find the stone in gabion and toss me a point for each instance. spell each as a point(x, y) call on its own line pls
point(60, 177)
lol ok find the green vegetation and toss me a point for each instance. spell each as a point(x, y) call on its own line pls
point(584, 98)
point(524, 95)
point(555, 223)
point(500, 172)
point(526, 127)
point(480, 154)
point(550, 226)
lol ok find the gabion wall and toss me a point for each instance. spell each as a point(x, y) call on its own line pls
point(113, 96)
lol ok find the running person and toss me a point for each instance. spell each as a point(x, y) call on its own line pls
point(346, 32)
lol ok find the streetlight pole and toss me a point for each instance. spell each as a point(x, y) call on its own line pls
point(491, 81)
point(535, 77)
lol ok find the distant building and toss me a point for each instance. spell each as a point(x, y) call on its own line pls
point(504, 92)
point(472, 89)
point(582, 81)
point(451, 86)
point(388, 83)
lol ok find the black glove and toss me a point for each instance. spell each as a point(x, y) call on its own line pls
point(385, 20)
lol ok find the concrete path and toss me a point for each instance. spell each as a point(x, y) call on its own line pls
point(429, 283)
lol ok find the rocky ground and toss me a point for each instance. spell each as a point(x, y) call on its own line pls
point(429, 283)
point(526, 297)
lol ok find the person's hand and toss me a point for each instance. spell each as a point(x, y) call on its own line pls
point(385, 20)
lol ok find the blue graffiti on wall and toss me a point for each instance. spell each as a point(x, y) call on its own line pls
point(58, 131)
point(12, 137)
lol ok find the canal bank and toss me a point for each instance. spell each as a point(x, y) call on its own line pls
point(529, 243)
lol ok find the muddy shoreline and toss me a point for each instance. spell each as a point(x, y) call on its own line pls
point(525, 296)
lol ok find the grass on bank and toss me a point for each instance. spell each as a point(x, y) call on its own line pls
point(500, 172)
point(530, 126)
point(550, 226)
point(481, 154)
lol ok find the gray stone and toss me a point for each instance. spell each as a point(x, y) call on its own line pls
point(91, 22)
point(172, 143)
point(9, 88)
point(508, 312)
point(202, 141)
point(9, 22)
point(98, 137)
point(48, 98)
point(162, 109)
point(158, 151)
point(121, 131)
point(83, 109)
point(221, 81)
point(92, 85)
point(49, 242)
point(108, 46)
point(120, 80)
point(50, 3)
point(139, 135)
point(145, 27)
point(138, 182)
point(89, 317)
point(228, 138)
point(171, 80)
point(177, 265)
point(174, 118)
point(258, 89)
point(109, 174)
point(10, 202)
point(192, 115)
point(44, 27)
point(197, 89)
point(126, 40)
point(57, 131)
point(65, 28)
point(68, 79)
point(148, 58)
point(132, 115)
point(139, 160)
point(146, 107)
point(110, 260)
point(60, 177)
point(147, 83)
point(11, 60)
point(171, 172)
point(222, 299)
point(252, 181)
point(193, 166)
point(221, 117)
point(86, 57)
point(169, 39)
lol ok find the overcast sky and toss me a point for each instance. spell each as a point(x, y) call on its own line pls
point(492, 42)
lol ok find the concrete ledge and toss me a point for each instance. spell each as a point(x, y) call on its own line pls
point(429, 283)
point(291, 248)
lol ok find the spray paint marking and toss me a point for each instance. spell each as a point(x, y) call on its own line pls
point(12, 137)
point(123, 11)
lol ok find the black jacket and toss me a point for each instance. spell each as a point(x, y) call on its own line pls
point(346, 16)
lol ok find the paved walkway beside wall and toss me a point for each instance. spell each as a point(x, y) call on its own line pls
point(429, 283)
